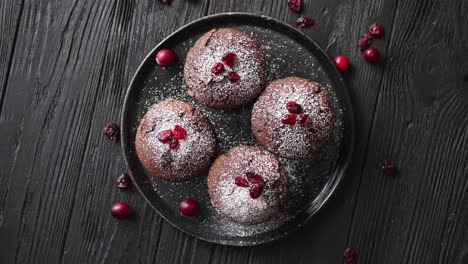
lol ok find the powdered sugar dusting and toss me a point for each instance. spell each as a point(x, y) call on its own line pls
point(293, 141)
point(217, 90)
point(193, 152)
point(235, 201)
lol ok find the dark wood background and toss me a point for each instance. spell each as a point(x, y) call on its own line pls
point(64, 69)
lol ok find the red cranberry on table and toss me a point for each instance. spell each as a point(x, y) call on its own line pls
point(371, 54)
point(303, 22)
point(188, 207)
point(120, 210)
point(295, 5)
point(348, 256)
point(365, 41)
point(389, 168)
point(341, 62)
point(166, 2)
point(166, 57)
point(123, 181)
point(112, 132)
point(376, 30)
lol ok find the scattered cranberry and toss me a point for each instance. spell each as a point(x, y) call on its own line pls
point(256, 190)
point(304, 120)
point(254, 178)
point(120, 210)
point(229, 59)
point(303, 22)
point(293, 107)
point(174, 144)
point(376, 30)
point(348, 256)
point(371, 54)
point(341, 62)
point(165, 136)
point(389, 168)
point(166, 57)
point(111, 131)
point(295, 5)
point(123, 181)
point(289, 119)
point(365, 41)
point(179, 132)
point(188, 207)
point(241, 182)
point(166, 2)
point(218, 68)
point(233, 76)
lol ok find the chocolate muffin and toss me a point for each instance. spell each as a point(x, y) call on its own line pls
point(248, 185)
point(293, 118)
point(225, 69)
point(174, 141)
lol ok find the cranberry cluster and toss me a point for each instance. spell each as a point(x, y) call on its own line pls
point(253, 181)
point(229, 60)
point(371, 54)
point(172, 136)
point(301, 22)
point(294, 110)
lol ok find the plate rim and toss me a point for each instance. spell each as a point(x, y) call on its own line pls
point(347, 106)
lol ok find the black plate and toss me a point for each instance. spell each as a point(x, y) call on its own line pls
point(289, 53)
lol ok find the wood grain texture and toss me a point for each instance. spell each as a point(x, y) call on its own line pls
point(421, 123)
point(64, 69)
point(10, 15)
point(72, 64)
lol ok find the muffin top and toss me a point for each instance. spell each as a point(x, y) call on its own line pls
point(225, 69)
point(293, 118)
point(175, 141)
point(248, 185)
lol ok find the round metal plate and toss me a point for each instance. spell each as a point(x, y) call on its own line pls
point(289, 53)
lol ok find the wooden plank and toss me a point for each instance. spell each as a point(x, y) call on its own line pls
point(72, 64)
point(421, 123)
point(10, 13)
point(147, 26)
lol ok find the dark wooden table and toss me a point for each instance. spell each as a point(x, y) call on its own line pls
point(64, 69)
